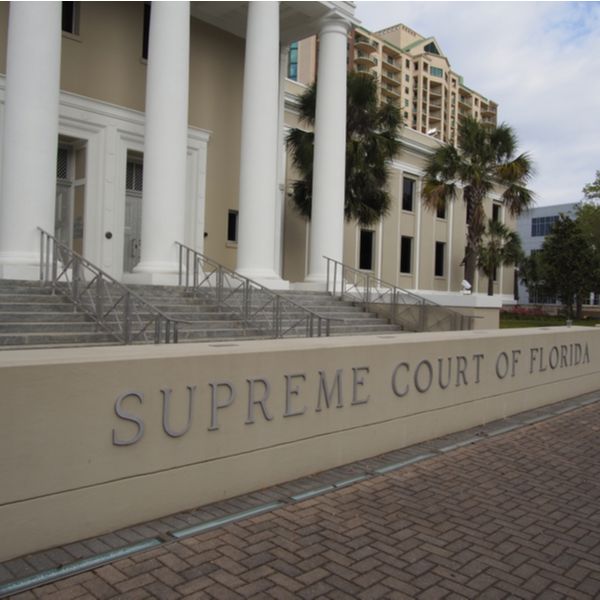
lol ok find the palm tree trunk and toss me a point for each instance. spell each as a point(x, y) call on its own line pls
point(490, 285)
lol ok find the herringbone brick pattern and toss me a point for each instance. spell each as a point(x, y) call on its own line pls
point(514, 516)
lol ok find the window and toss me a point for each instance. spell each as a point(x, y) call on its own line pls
point(408, 63)
point(496, 212)
point(232, 227)
point(293, 62)
point(405, 115)
point(408, 194)
point(367, 244)
point(146, 32)
point(134, 177)
point(390, 60)
point(540, 226)
point(406, 103)
point(406, 254)
point(436, 72)
point(425, 67)
point(440, 253)
point(416, 65)
point(406, 90)
point(70, 17)
point(406, 78)
point(432, 48)
point(441, 212)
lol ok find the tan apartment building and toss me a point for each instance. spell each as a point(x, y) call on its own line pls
point(413, 71)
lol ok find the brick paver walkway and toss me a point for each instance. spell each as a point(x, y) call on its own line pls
point(513, 516)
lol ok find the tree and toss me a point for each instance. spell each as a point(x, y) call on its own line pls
point(372, 141)
point(499, 246)
point(588, 217)
point(485, 158)
point(567, 264)
point(530, 274)
point(592, 190)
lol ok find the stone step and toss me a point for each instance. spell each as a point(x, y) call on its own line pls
point(55, 338)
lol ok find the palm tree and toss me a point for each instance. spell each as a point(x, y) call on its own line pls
point(484, 159)
point(372, 141)
point(499, 246)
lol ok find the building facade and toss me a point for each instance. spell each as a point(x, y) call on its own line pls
point(127, 130)
point(533, 227)
point(411, 70)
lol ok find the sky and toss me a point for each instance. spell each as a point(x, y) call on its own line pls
point(540, 61)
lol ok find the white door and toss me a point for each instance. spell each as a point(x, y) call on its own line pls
point(63, 213)
point(133, 215)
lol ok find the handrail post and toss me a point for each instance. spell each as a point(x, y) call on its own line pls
point(54, 266)
point(327, 284)
point(368, 293)
point(277, 317)
point(127, 319)
point(42, 256)
point(181, 265)
point(99, 297)
point(335, 267)
point(75, 279)
point(48, 268)
point(219, 286)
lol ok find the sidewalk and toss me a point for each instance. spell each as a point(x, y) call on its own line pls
point(509, 510)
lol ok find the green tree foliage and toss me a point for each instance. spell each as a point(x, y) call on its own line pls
point(567, 264)
point(588, 217)
point(530, 273)
point(592, 190)
point(485, 157)
point(372, 141)
point(498, 246)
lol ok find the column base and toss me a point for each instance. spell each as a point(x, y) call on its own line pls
point(265, 277)
point(24, 267)
point(150, 279)
point(153, 274)
point(311, 286)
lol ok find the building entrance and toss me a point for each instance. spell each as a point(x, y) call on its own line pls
point(133, 215)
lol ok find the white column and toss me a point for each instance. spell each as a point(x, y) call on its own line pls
point(281, 162)
point(28, 190)
point(327, 220)
point(259, 146)
point(165, 144)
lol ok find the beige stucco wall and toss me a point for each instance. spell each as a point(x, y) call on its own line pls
point(65, 479)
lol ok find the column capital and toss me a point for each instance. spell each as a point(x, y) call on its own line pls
point(334, 22)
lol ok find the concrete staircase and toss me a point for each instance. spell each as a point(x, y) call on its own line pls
point(31, 317)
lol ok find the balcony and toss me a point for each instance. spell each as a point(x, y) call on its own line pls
point(390, 91)
point(388, 76)
point(367, 60)
point(365, 44)
point(393, 63)
point(363, 69)
point(465, 101)
point(488, 111)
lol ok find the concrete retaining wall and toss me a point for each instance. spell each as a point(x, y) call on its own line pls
point(87, 446)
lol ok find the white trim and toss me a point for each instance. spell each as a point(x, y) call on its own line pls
point(108, 132)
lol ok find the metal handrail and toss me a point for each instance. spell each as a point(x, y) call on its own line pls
point(400, 306)
point(257, 305)
point(117, 309)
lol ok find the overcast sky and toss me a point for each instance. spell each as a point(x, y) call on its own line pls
point(540, 61)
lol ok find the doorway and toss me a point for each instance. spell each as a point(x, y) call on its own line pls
point(133, 213)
